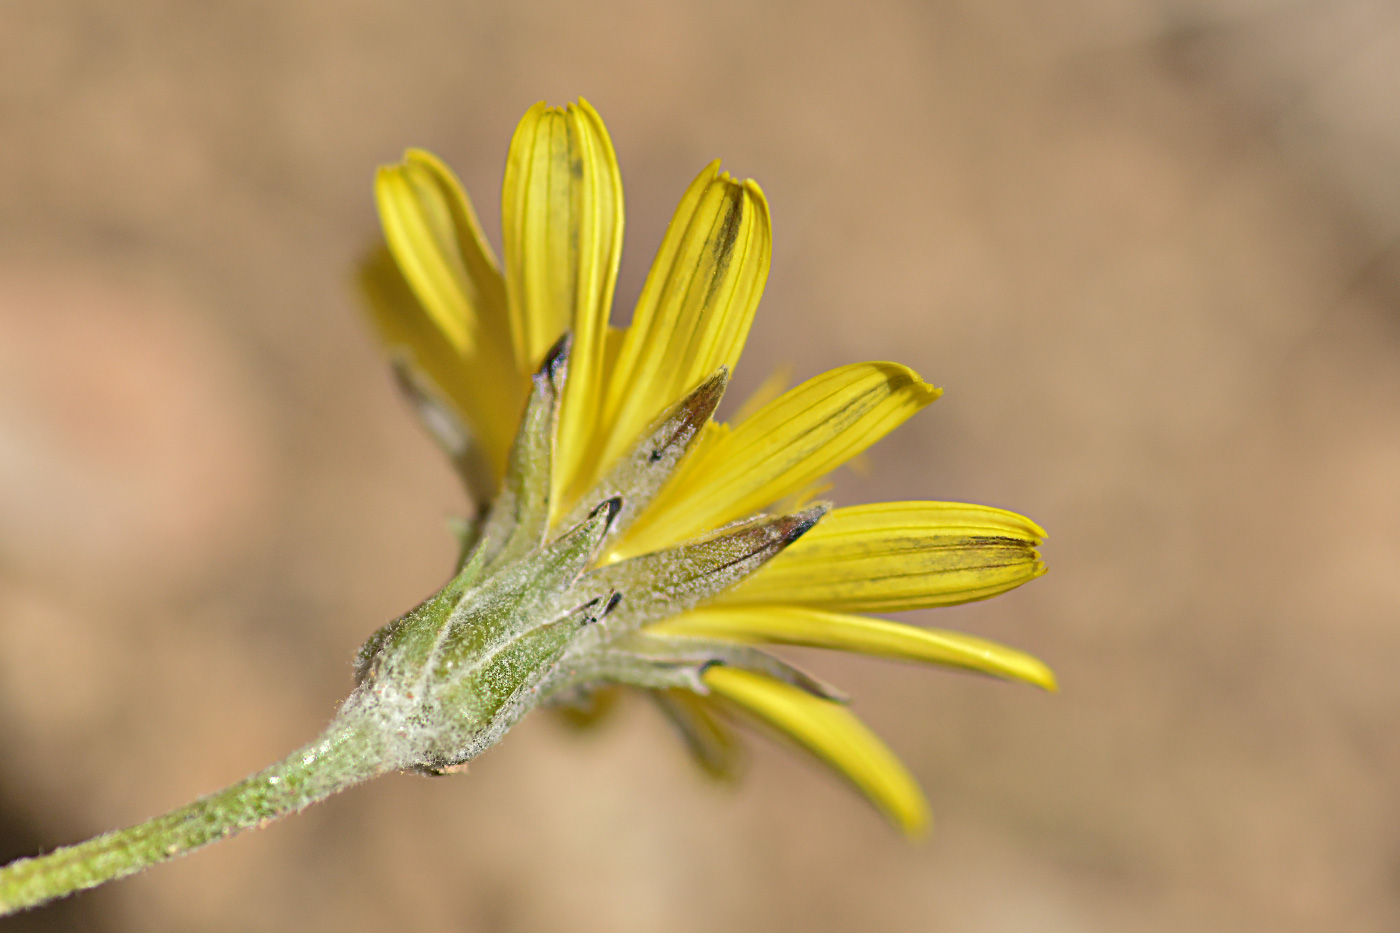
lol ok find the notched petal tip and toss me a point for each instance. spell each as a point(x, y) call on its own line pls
point(431, 229)
point(414, 156)
point(892, 556)
point(697, 303)
point(760, 200)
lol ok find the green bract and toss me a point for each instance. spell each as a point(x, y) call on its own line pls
point(529, 616)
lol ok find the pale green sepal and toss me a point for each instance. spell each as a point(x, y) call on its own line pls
point(525, 595)
point(609, 665)
point(665, 583)
point(702, 652)
point(415, 631)
point(519, 517)
point(711, 741)
point(499, 689)
point(639, 474)
point(449, 678)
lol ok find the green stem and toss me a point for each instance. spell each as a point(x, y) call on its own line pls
point(345, 755)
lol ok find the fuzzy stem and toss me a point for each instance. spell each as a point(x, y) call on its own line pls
point(345, 755)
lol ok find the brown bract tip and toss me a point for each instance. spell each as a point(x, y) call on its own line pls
point(556, 361)
point(802, 522)
point(609, 506)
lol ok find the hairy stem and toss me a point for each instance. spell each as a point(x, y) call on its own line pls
point(345, 755)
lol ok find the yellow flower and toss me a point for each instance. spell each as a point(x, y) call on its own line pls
point(466, 335)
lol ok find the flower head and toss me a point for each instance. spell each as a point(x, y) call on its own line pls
point(625, 536)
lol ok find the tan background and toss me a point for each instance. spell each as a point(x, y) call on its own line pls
point(1148, 248)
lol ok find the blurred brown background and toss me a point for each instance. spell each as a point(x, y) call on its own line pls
point(1149, 249)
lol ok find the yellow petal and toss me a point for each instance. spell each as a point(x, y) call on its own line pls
point(900, 555)
point(793, 440)
point(562, 219)
point(696, 306)
point(707, 735)
point(482, 388)
point(612, 346)
point(434, 236)
point(814, 628)
point(832, 733)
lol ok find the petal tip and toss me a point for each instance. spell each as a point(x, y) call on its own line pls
point(918, 829)
point(1037, 673)
point(414, 154)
